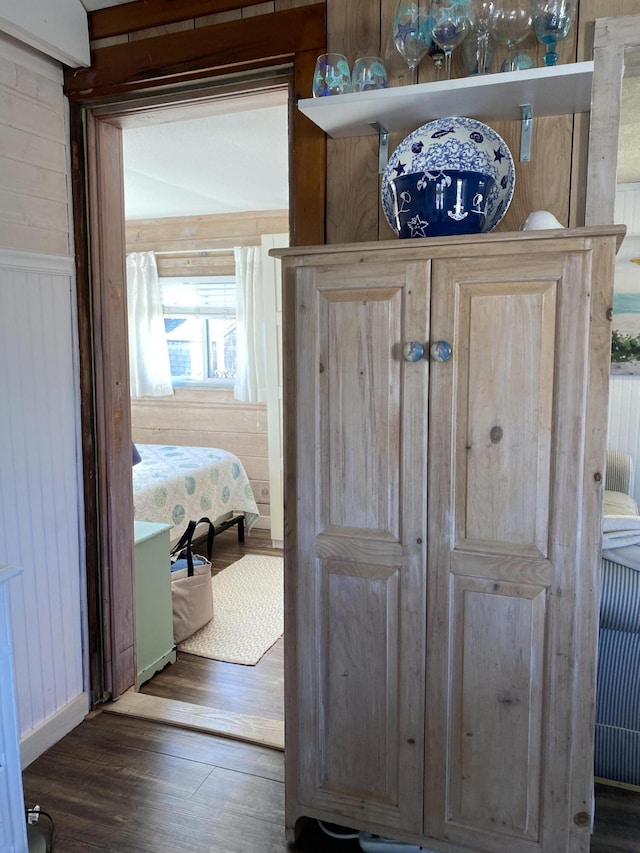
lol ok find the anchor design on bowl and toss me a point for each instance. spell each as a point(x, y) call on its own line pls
point(459, 213)
point(405, 201)
point(426, 200)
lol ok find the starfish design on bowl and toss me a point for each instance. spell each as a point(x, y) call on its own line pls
point(498, 155)
point(418, 226)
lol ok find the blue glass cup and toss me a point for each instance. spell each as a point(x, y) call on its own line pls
point(332, 75)
point(368, 73)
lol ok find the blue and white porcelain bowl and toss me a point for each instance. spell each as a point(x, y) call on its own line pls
point(452, 144)
point(438, 204)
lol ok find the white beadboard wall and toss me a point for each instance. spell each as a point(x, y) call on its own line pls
point(627, 207)
point(41, 527)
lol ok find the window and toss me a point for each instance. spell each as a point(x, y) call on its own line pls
point(200, 324)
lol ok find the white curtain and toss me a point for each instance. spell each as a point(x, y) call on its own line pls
point(149, 367)
point(250, 384)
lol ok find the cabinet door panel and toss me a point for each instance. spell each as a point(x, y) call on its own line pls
point(357, 591)
point(504, 429)
point(361, 671)
point(496, 736)
point(503, 539)
point(359, 387)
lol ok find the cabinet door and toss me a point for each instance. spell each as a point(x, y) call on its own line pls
point(507, 433)
point(356, 724)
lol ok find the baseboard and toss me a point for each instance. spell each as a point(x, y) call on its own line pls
point(612, 783)
point(263, 522)
point(59, 724)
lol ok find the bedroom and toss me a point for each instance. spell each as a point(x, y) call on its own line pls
point(191, 213)
point(184, 218)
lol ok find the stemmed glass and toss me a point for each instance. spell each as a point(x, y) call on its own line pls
point(411, 32)
point(437, 55)
point(450, 22)
point(511, 25)
point(552, 21)
point(483, 19)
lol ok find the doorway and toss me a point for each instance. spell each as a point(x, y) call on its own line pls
point(187, 68)
point(108, 255)
point(196, 186)
point(107, 447)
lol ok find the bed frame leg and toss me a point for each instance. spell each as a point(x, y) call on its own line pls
point(241, 529)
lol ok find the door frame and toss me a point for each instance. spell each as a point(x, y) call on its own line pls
point(239, 57)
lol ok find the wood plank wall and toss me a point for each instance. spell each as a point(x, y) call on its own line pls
point(353, 185)
point(34, 212)
point(205, 417)
point(106, 25)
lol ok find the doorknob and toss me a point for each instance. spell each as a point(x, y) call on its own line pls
point(441, 351)
point(413, 351)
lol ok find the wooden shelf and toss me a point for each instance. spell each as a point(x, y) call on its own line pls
point(547, 91)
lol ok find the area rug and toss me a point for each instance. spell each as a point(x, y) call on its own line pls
point(248, 612)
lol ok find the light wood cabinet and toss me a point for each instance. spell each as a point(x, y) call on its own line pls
point(442, 536)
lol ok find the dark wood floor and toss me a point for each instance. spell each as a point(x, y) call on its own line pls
point(130, 786)
point(239, 689)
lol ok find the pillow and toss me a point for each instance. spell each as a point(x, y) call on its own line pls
point(617, 503)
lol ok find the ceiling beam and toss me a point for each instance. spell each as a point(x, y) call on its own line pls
point(142, 14)
point(212, 50)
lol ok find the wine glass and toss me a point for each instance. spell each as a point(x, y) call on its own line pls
point(450, 23)
point(482, 25)
point(475, 55)
point(411, 34)
point(552, 21)
point(437, 55)
point(511, 25)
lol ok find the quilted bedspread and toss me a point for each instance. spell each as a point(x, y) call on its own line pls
point(177, 484)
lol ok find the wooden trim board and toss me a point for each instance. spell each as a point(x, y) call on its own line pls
point(242, 727)
point(264, 41)
point(119, 20)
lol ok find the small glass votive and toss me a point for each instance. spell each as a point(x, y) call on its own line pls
point(368, 73)
point(522, 61)
point(332, 75)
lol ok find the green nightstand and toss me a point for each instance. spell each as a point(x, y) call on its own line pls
point(154, 614)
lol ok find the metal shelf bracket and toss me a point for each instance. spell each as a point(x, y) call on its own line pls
point(383, 149)
point(525, 133)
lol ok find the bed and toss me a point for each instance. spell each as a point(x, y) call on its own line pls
point(175, 485)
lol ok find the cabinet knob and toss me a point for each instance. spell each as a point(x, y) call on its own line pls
point(413, 351)
point(441, 351)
